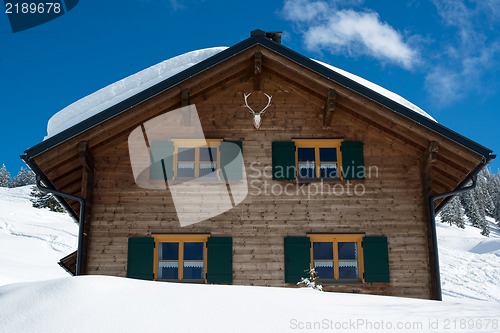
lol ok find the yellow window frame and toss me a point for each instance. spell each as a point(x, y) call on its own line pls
point(335, 239)
point(181, 239)
point(196, 144)
point(317, 144)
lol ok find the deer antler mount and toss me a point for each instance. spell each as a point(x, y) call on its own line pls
point(257, 116)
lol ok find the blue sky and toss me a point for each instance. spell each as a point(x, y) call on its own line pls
point(442, 55)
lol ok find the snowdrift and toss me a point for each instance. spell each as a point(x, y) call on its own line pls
point(110, 304)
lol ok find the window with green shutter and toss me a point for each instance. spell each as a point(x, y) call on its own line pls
point(140, 258)
point(297, 258)
point(337, 258)
point(376, 259)
point(315, 159)
point(220, 260)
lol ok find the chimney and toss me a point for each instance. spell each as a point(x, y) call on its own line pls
point(274, 36)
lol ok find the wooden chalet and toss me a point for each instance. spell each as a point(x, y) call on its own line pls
point(379, 238)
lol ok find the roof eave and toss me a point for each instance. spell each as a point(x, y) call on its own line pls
point(255, 39)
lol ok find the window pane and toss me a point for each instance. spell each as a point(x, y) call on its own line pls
point(307, 170)
point(328, 170)
point(208, 154)
point(168, 270)
point(348, 250)
point(348, 270)
point(193, 270)
point(168, 251)
point(193, 251)
point(324, 268)
point(328, 154)
point(185, 169)
point(306, 155)
point(208, 168)
point(185, 154)
point(322, 250)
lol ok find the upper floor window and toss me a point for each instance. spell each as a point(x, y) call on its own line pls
point(318, 159)
point(314, 159)
point(197, 158)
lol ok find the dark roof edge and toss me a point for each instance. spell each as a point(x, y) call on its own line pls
point(256, 38)
point(45, 180)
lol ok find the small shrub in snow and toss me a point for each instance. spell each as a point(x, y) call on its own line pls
point(312, 281)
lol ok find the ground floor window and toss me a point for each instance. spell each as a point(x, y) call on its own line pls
point(180, 257)
point(337, 257)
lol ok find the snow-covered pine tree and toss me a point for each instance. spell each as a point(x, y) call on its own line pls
point(482, 193)
point(494, 184)
point(476, 218)
point(24, 177)
point(452, 213)
point(44, 200)
point(4, 177)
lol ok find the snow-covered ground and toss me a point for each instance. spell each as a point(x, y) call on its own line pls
point(469, 263)
point(33, 240)
point(110, 304)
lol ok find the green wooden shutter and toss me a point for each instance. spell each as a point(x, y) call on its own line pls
point(353, 162)
point(297, 258)
point(376, 259)
point(162, 160)
point(220, 260)
point(231, 160)
point(283, 157)
point(140, 258)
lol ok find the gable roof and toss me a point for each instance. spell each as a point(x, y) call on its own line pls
point(258, 37)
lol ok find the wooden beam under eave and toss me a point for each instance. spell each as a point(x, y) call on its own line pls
point(87, 185)
point(257, 78)
point(186, 115)
point(85, 156)
point(427, 161)
point(329, 107)
point(430, 156)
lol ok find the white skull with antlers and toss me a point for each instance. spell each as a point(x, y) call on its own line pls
point(257, 116)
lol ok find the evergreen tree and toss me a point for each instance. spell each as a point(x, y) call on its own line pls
point(494, 184)
point(473, 213)
point(23, 178)
point(45, 200)
point(452, 213)
point(4, 177)
point(482, 193)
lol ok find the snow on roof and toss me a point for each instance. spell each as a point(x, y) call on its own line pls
point(134, 84)
point(121, 90)
point(375, 87)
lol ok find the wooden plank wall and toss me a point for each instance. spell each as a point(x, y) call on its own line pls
point(392, 204)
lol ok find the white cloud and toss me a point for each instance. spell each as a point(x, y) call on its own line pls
point(470, 51)
point(324, 27)
point(303, 10)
